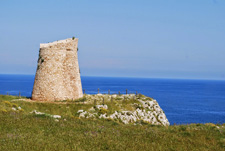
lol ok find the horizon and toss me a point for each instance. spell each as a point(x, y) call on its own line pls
point(145, 39)
point(129, 77)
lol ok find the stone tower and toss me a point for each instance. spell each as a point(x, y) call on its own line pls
point(58, 74)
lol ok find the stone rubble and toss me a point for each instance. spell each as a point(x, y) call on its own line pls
point(49, 115)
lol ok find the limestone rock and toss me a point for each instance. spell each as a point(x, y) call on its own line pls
point(147, 111)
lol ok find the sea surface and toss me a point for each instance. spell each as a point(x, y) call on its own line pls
point(183, 101)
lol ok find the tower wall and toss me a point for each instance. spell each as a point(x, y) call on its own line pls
point(58, 74)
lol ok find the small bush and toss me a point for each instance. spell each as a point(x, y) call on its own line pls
point(103, 111)
point(8, 103)
point(14, 105)
point(140, 107)
point(128, 113)
point(182, 128)
point(142, 122)
point(149, 99)
point(83, 99)
point(118, 98)
point(210, 124)
point(21, 110)
point(4, 111)
point(73, 38)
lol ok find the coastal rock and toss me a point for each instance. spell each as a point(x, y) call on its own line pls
point(146, 110)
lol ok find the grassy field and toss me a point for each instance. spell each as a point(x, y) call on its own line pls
point(21, 130)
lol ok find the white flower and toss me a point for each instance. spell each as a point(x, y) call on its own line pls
point(13, 108)
point(80, 111)
point(101, 106)
point(56, 116)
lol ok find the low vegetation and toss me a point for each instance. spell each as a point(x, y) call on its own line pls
point(21, 129)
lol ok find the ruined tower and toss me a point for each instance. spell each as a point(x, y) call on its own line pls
point(58, 74)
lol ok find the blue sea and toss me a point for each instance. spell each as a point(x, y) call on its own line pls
point(183, 101)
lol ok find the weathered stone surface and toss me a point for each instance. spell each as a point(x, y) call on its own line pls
point(58, 74)
point(145, 109)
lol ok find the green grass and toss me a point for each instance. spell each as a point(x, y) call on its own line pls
point(28, 132)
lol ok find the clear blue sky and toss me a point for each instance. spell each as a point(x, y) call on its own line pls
point(129, 38)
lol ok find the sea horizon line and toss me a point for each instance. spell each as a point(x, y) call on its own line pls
point(131, 77)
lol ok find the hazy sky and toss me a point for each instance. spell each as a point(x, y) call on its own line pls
point(131, 38)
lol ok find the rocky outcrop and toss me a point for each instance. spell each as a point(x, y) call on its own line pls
point(142, 110)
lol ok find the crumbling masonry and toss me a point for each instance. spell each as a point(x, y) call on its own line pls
point(58, 74)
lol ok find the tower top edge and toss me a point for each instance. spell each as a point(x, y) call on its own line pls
point(69, 40)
